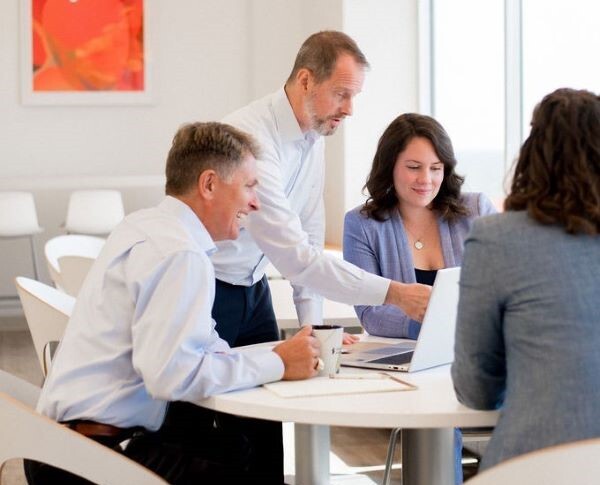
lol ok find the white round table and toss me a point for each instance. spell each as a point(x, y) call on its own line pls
point(427, 416)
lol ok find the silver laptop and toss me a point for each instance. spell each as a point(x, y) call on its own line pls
point(435, 345)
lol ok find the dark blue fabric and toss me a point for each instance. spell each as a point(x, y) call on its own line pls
point(426, 276)
point(244, 314)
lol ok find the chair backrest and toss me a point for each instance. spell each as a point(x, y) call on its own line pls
point(18, 216)
point(94, 211)
point(19, 389)
point(568, 463)
point(67, 275)
point(73, 270)
point(47, 311)
point(27, 434)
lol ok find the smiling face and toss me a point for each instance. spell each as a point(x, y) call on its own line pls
point(418, 174)
point(327, 103)
point(235, 197)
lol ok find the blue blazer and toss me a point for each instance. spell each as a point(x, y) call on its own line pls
point(528, 333)
point(382, 248)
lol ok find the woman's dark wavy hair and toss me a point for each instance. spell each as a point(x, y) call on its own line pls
point(557, 175)
point(380, 182)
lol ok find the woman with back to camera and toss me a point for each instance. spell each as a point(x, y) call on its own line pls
point(414, 221)
point(528, 327)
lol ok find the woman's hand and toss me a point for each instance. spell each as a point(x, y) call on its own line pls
point(350, 338)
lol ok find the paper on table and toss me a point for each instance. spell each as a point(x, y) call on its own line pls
point(325, 386)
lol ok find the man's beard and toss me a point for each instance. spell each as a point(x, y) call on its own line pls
point(321, 125)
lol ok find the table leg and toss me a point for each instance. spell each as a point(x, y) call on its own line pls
point(428, 456)
point(312, 446)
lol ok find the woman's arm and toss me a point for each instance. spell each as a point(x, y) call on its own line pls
point(381, 320)
point(479, 368)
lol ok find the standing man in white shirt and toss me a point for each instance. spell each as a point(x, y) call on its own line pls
point(289, 229)
point(141, 349)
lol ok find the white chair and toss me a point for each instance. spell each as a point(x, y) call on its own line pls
point(69, 259)
point(27, 434)
point(395, 436)
point(18, 218)
point(47, 311)
point(567, 463)
point(19, 389)
point(94, 212)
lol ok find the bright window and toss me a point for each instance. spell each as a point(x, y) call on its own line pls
point(561, 48)
point(493, 61)
point(468, 85)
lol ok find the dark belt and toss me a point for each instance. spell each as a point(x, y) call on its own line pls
point(92, 429)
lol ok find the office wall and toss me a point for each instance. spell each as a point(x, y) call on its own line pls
point(210, 57)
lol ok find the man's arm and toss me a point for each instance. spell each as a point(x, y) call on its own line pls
point(308, 302)
point(278, 232)
point(412, 298)
point(175, 347)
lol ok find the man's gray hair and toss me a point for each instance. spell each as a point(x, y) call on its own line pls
point(320, 52)
point(201, 146)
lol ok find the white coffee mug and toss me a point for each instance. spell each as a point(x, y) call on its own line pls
point(330, 338)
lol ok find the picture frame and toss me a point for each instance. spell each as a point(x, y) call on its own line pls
point(100, 86)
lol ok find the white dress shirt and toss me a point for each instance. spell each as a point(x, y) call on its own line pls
point(141, 333)
point(289, 228)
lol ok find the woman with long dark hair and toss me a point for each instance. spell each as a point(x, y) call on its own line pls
point(415, 219)
point(528, 327)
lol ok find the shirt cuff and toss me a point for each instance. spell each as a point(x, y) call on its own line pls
point(270, 364)
point(374, 289)
point(310, 312)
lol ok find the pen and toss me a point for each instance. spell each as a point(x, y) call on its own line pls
point(372, 376)
point(397, 379)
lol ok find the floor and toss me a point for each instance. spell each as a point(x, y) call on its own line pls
point(357, 455)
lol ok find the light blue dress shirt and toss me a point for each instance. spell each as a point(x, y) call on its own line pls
point(141, 333)
point(289, 229)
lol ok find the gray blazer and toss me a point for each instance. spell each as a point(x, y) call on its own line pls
point(382, 248)
point(528, 333)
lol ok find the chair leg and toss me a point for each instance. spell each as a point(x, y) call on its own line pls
point(389, 461)
point(34, 259)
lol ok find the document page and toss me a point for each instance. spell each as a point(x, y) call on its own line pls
point(341, 384)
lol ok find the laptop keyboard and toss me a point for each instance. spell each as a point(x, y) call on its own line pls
point(397, 359)
point(392, 349)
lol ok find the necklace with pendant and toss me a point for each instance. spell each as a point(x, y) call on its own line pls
point(418, 244)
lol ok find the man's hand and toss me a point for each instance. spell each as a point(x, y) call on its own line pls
point(300, 355)
point(411, 298)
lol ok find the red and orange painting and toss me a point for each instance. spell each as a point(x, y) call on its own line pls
point(87, 45)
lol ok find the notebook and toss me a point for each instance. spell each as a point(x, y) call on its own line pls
point(340, 384)
point(435, 345)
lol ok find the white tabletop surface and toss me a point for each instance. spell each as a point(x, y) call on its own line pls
point(432, 405)
point(427, 416)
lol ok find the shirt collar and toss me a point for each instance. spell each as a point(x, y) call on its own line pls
point(190, 220)
point(287, 123)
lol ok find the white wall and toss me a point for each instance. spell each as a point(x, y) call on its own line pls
point(386, 32)
point(211, 56)
point(199, 51)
